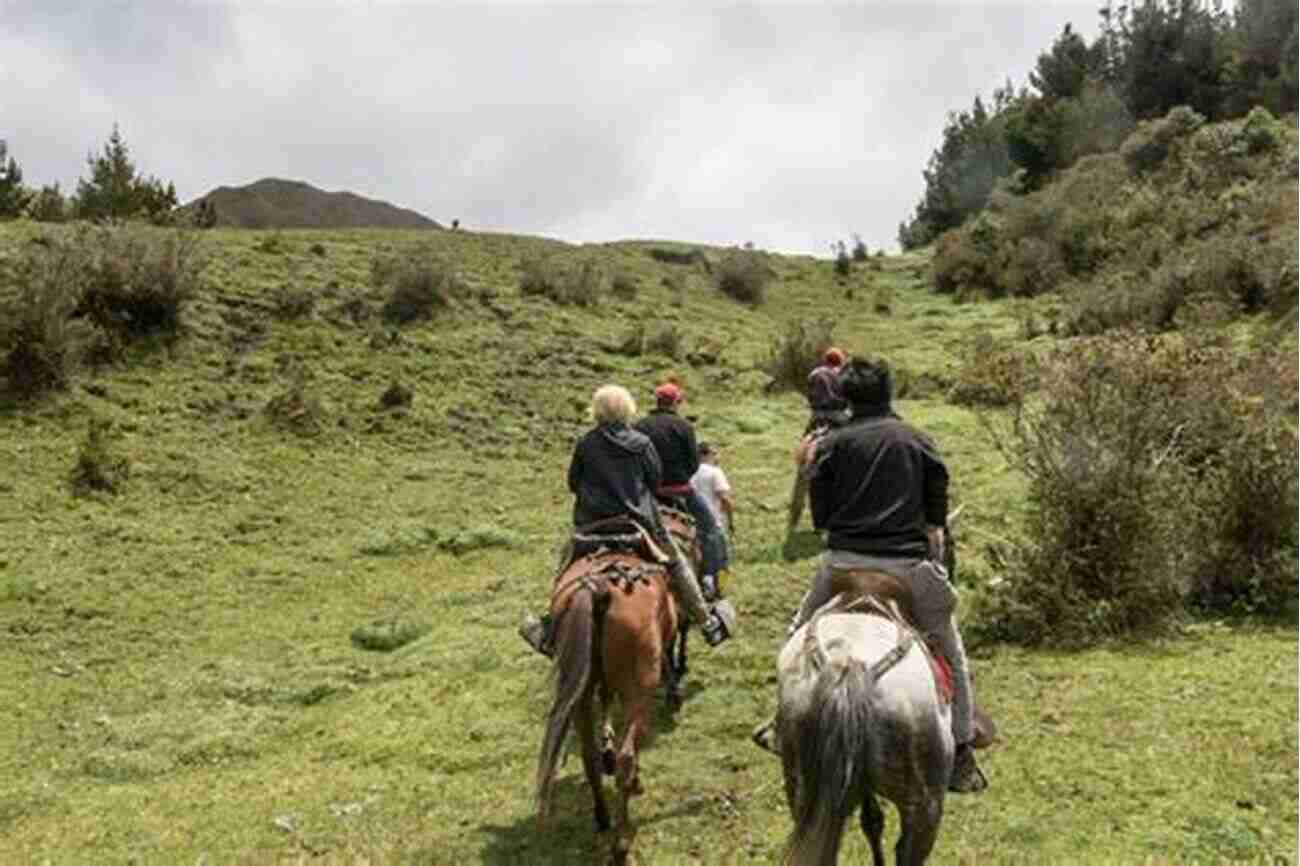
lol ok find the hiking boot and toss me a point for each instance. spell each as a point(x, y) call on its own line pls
point(536, 632)
point(721, 623)
point(967, 777)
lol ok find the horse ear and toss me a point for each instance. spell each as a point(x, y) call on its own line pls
point(954, 514)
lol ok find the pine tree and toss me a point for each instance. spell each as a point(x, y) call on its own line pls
point(13, 195)
point(116, 190)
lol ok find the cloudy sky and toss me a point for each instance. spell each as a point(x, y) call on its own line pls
point(790, 126)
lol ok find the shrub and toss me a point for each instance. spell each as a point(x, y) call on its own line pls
point(297, 408)
point(843, 264)
point(1033, 268)
point(633, 340)
point(883, 299)
point(1259, 131)
point(97, 468)
point(1148, 146)
point(1155, 474)
point(544, 276)
point(666, 340)
point(860, 253)
point(624, 285)
point(418, 285)
point(743, 275)
point(45, 343)
point(678, 257)
point(396, 396)
point(993, 375)
point(794, 352)
point(966, 259)
point(1104, 553)
point(140, 280)
point(293, 303)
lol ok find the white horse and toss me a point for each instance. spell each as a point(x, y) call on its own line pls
point(859, 715)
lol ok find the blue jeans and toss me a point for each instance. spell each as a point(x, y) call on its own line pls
point(712, 545)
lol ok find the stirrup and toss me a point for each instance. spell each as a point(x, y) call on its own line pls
point(967, 777)
point(535, 633)
point(763, 736)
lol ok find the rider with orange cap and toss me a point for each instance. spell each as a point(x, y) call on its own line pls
point(825, 396)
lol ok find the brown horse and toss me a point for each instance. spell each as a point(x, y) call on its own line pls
point(614, 622)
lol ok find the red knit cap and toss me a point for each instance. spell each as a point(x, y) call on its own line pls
point(668, 392)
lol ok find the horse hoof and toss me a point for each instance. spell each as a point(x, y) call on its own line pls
point(608, 762)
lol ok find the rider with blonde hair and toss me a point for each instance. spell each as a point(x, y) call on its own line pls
point(614, 473)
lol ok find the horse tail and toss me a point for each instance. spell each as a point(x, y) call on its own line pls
point(575, 636)
point(837, 758)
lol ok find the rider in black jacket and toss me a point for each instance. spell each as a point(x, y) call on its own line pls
point(879, 489)
point(674, 440)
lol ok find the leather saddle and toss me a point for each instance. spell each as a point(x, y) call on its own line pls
point(894, 593)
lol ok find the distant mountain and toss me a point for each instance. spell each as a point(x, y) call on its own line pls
point(272, 203)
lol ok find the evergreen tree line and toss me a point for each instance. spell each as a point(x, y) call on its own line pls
point(1086, 98)
point(114, 190)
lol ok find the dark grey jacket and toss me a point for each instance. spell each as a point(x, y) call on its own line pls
point(614, 472)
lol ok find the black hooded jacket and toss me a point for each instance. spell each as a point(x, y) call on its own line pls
point(614, 472)
point(876, 484)
point(674, 441)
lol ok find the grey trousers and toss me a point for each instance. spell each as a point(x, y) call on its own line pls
point(935, 601)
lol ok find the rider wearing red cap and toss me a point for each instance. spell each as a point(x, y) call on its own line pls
point(674, 440)
point(825, 396)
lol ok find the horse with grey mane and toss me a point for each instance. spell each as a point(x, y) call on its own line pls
point(861, 715)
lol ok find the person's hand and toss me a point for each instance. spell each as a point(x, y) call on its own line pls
point(803, 454)
point(934, 536)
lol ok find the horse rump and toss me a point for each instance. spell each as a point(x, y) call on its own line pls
point(830, 759)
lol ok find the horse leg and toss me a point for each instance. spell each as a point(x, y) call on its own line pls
point(873, 825)
point(606, 733)
point(919, 829)
point(672, 690)
point(798, 493)
point(590, 763)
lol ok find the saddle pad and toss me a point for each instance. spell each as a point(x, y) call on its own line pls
point(942, 674)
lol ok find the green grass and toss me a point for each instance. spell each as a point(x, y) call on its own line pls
point(183, 673)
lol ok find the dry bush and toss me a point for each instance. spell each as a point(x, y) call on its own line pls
point(624, 285)
point(418, 284)
point(994, 374)
point(140, 279)
point(1153, 479)
point(97, 467)
point(743, 275)
point(795, 351)
point(85, 293)
point(967, 260)
point(544, 275)
point(666, 339)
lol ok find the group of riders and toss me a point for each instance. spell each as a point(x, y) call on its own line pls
point(878, 490)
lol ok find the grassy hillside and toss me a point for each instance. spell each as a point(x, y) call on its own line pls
point(186, 659)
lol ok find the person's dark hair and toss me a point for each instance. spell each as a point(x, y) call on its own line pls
point(867, 381)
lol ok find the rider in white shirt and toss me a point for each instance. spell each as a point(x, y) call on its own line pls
point(714, 488)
